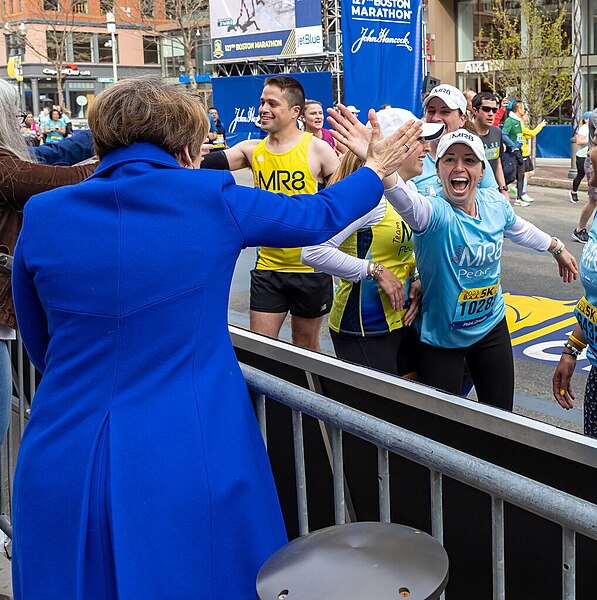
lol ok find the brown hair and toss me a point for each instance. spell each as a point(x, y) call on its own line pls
point(292, 89)
point(310, 103)
point(349, 163)
point(145, 109)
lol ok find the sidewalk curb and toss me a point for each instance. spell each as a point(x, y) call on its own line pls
point(565, 184)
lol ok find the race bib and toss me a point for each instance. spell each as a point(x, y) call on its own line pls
point(219, 142)
point(474, 306)
point(586, 315)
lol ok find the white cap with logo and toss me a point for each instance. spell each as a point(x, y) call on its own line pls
point(391, 119)
point(462, 136)
point(353, 109)
point(451, 95)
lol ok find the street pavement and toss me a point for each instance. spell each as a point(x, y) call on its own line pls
point(539, 305)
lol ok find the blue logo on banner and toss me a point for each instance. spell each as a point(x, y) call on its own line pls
point(383, 54)
point(237, 100)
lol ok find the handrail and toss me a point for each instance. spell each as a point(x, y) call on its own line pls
point(543, 500)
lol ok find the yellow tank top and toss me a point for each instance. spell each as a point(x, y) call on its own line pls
point(286, 173)
point(361, 308)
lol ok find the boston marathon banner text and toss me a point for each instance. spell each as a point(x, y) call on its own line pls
point(237, 100)
point(253, 28)
point(382, 42)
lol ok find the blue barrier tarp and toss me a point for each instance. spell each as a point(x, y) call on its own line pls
point(553, 141)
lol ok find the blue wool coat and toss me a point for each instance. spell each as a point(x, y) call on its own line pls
point(142, 473)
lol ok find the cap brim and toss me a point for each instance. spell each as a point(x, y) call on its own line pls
point(432, 131)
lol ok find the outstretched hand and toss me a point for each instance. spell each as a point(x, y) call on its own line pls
point(348, 130)
point(567, 265)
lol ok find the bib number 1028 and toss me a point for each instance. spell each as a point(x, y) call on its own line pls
point(475, 307)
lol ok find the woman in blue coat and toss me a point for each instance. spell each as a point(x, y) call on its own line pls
point(142, 473)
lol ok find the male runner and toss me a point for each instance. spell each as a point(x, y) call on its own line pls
point(288, 161)
point(485, 107)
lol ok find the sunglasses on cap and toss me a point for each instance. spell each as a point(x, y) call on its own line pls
point(489, 109)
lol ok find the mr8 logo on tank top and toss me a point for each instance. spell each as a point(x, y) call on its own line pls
point(286, 173)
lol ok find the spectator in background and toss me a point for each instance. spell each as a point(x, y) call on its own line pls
point(580, 233)
point(469, 95)
point(513, 129)
point(504, 106)
point(529, 168)
point(354, 110)
point(43, 118)
point(212, 133)
point(484, 109)
point(55, 128)
point(220, 142)
point(66, 117)
point(30, 130)
point(312, 118)
point(582, 145)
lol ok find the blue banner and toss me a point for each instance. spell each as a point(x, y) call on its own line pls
point(237, 100)
point(258, 29)
point(383, 52)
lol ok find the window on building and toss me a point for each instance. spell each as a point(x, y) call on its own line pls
point(171, 8)
point(148, 8)
point(106, 6)
point(80, 7)
point(151, 50)
point(82, 47)
point(203, 51)
point(173, 57)
point(52, 5)
point(55, 45)
point(104, 48)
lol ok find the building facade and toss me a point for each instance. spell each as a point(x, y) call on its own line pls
point(454, 27)
point(44, 35)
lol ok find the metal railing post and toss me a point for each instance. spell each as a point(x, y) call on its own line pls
point(301, 477)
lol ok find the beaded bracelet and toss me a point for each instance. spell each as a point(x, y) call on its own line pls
point(573, 349)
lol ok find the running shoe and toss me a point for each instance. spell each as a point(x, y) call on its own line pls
point(513, 190)
point(527, 198)
point(573, 197)
point(521, 202)
point(580, 236)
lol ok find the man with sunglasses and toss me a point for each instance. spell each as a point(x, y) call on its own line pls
point(484, 109)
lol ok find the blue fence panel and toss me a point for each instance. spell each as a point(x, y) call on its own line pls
point(553, 141)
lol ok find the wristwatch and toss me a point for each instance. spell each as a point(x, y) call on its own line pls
point(503, 188)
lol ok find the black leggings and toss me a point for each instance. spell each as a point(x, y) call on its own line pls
point(580, 173)
point(395, 352)
point(489, 361)
point(519, 179)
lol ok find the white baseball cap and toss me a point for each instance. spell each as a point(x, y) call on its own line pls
point(451, 95)
point(353, 109)
point(462, 136)
point(391, 119)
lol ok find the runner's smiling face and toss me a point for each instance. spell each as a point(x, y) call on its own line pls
point(460, 171)
point(313, 116)
point(413, 166)
point(274, 110)
point(437, 111)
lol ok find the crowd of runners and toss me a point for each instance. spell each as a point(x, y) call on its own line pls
point(418, 278)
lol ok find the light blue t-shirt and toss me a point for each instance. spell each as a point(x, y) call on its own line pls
point(428, 183)
point(458, 257)
point(586, 309)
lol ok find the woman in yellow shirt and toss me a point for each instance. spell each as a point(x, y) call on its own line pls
point(529, 168)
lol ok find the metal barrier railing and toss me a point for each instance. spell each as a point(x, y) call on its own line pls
point(573, 514)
